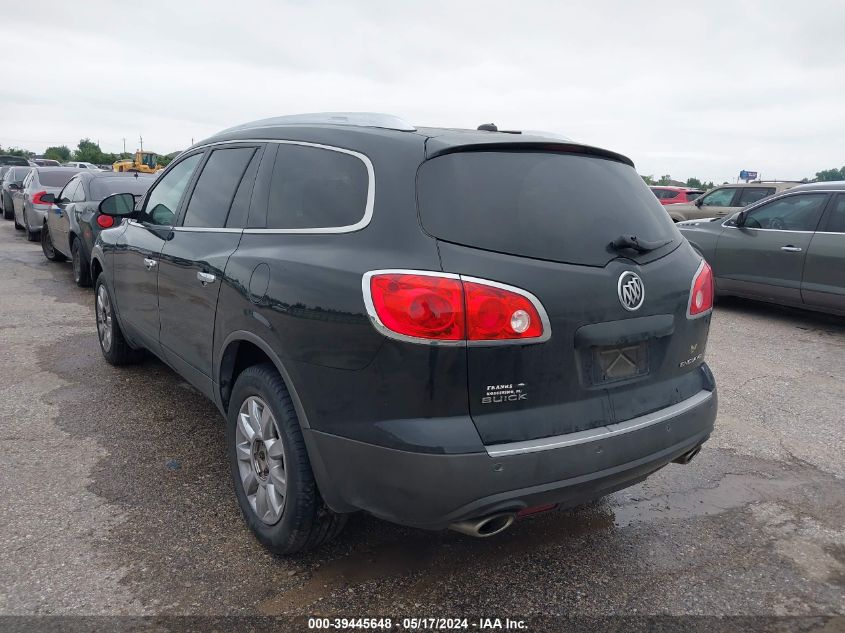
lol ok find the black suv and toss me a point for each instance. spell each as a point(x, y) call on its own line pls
point(443, 328)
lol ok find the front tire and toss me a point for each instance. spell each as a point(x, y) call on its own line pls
point(274, 483)
point(47, 247)
point(81, 268)
point(113, 345)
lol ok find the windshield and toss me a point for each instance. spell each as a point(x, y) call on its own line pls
point(560, 207)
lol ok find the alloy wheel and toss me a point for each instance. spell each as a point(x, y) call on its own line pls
point(261, 460)
point(104, 318)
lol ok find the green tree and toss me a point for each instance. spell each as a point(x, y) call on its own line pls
point(60, 153)
point(649, 180)
point(664, 180)
point(17, 151)
point(695, 183)
point(826, 175)
point(88, 152)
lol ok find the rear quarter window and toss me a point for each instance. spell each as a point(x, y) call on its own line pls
point(317, 188)
point(553, 206)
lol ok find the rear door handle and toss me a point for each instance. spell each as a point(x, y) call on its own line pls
point(790, 249)
point(206, 278)
point(149, 264)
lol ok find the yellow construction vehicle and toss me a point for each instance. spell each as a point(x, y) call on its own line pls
point(144, 162)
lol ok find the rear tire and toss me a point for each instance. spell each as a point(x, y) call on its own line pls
point(113, 345)
point(81, 268)
point(30, 234)
point(47, 246)
point(8, 210)
point(19, 227)
point(267, 452)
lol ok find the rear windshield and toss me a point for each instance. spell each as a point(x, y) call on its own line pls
point(102, 187)
point(559, 207)
point(13, 160)
point(58, 178)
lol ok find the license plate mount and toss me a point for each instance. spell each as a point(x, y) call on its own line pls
point(619, 362)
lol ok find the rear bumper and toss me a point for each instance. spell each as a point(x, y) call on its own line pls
point(432, 491)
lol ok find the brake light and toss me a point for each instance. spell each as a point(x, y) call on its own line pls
point(37, 198)
point(105, 221)
point(448, 308)
point(495, 314)
point(701, 292)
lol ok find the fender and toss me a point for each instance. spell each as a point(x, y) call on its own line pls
point(328, 491)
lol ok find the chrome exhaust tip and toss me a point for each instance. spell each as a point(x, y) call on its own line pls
point(485, 526)
point(686, 458)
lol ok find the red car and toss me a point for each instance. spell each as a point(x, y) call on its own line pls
point(671, 195)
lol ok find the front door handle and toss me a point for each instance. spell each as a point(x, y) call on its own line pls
point(206, 278)
point(790, 249)
point(149, 264)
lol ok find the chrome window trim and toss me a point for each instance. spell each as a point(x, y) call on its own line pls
point(326, 230)
point(206, 229)
point(381, 327)
point(602, 432)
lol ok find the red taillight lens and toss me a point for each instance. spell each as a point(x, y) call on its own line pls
point(494, 314)
point(701, 295)
point(105, 221)
point(445, 307)
point(421, 306)
point(37, 198)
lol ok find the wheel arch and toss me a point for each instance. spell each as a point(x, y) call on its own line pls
point(242, 349)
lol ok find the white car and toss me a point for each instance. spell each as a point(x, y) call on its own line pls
point(82, 165)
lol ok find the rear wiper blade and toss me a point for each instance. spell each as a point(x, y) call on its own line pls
point(633, 242)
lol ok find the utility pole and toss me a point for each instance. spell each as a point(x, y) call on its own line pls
point(141, 139)
point(124, 144)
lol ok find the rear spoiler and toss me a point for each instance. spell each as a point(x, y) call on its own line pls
point(433, 150)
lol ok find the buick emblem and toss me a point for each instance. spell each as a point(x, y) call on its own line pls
point(631, 291)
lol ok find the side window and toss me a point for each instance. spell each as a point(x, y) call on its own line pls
point(313, 188)
point(163, 201)
point(836, 218)
point(215, 188)
point(240, 206)
point(69, 191)
point(791, 213)
point(748, 195)
point(79, 194)
point(719, 197)
point(27, 179)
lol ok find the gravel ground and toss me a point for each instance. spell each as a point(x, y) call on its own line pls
point(116, 497)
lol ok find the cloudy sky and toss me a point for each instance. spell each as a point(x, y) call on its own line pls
point(702, 91)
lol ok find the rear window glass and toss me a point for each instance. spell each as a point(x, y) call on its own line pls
point(13, 160)
point(55, 178)
point(103, 187)
point(559, 207)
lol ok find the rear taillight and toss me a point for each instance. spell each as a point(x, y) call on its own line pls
point(105, 221)
point(701, 293)
point(447, 309)
point(37, 198)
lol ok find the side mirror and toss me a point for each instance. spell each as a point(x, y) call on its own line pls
point(118, 205)
point(698, 202)
point(740, 218)
point(49, 198)
point(15, 187)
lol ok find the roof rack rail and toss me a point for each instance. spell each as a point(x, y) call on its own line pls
point(359, 119)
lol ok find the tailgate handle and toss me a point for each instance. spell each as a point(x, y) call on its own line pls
point(625, 331)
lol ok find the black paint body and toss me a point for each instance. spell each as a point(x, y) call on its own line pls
point(397, 428)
